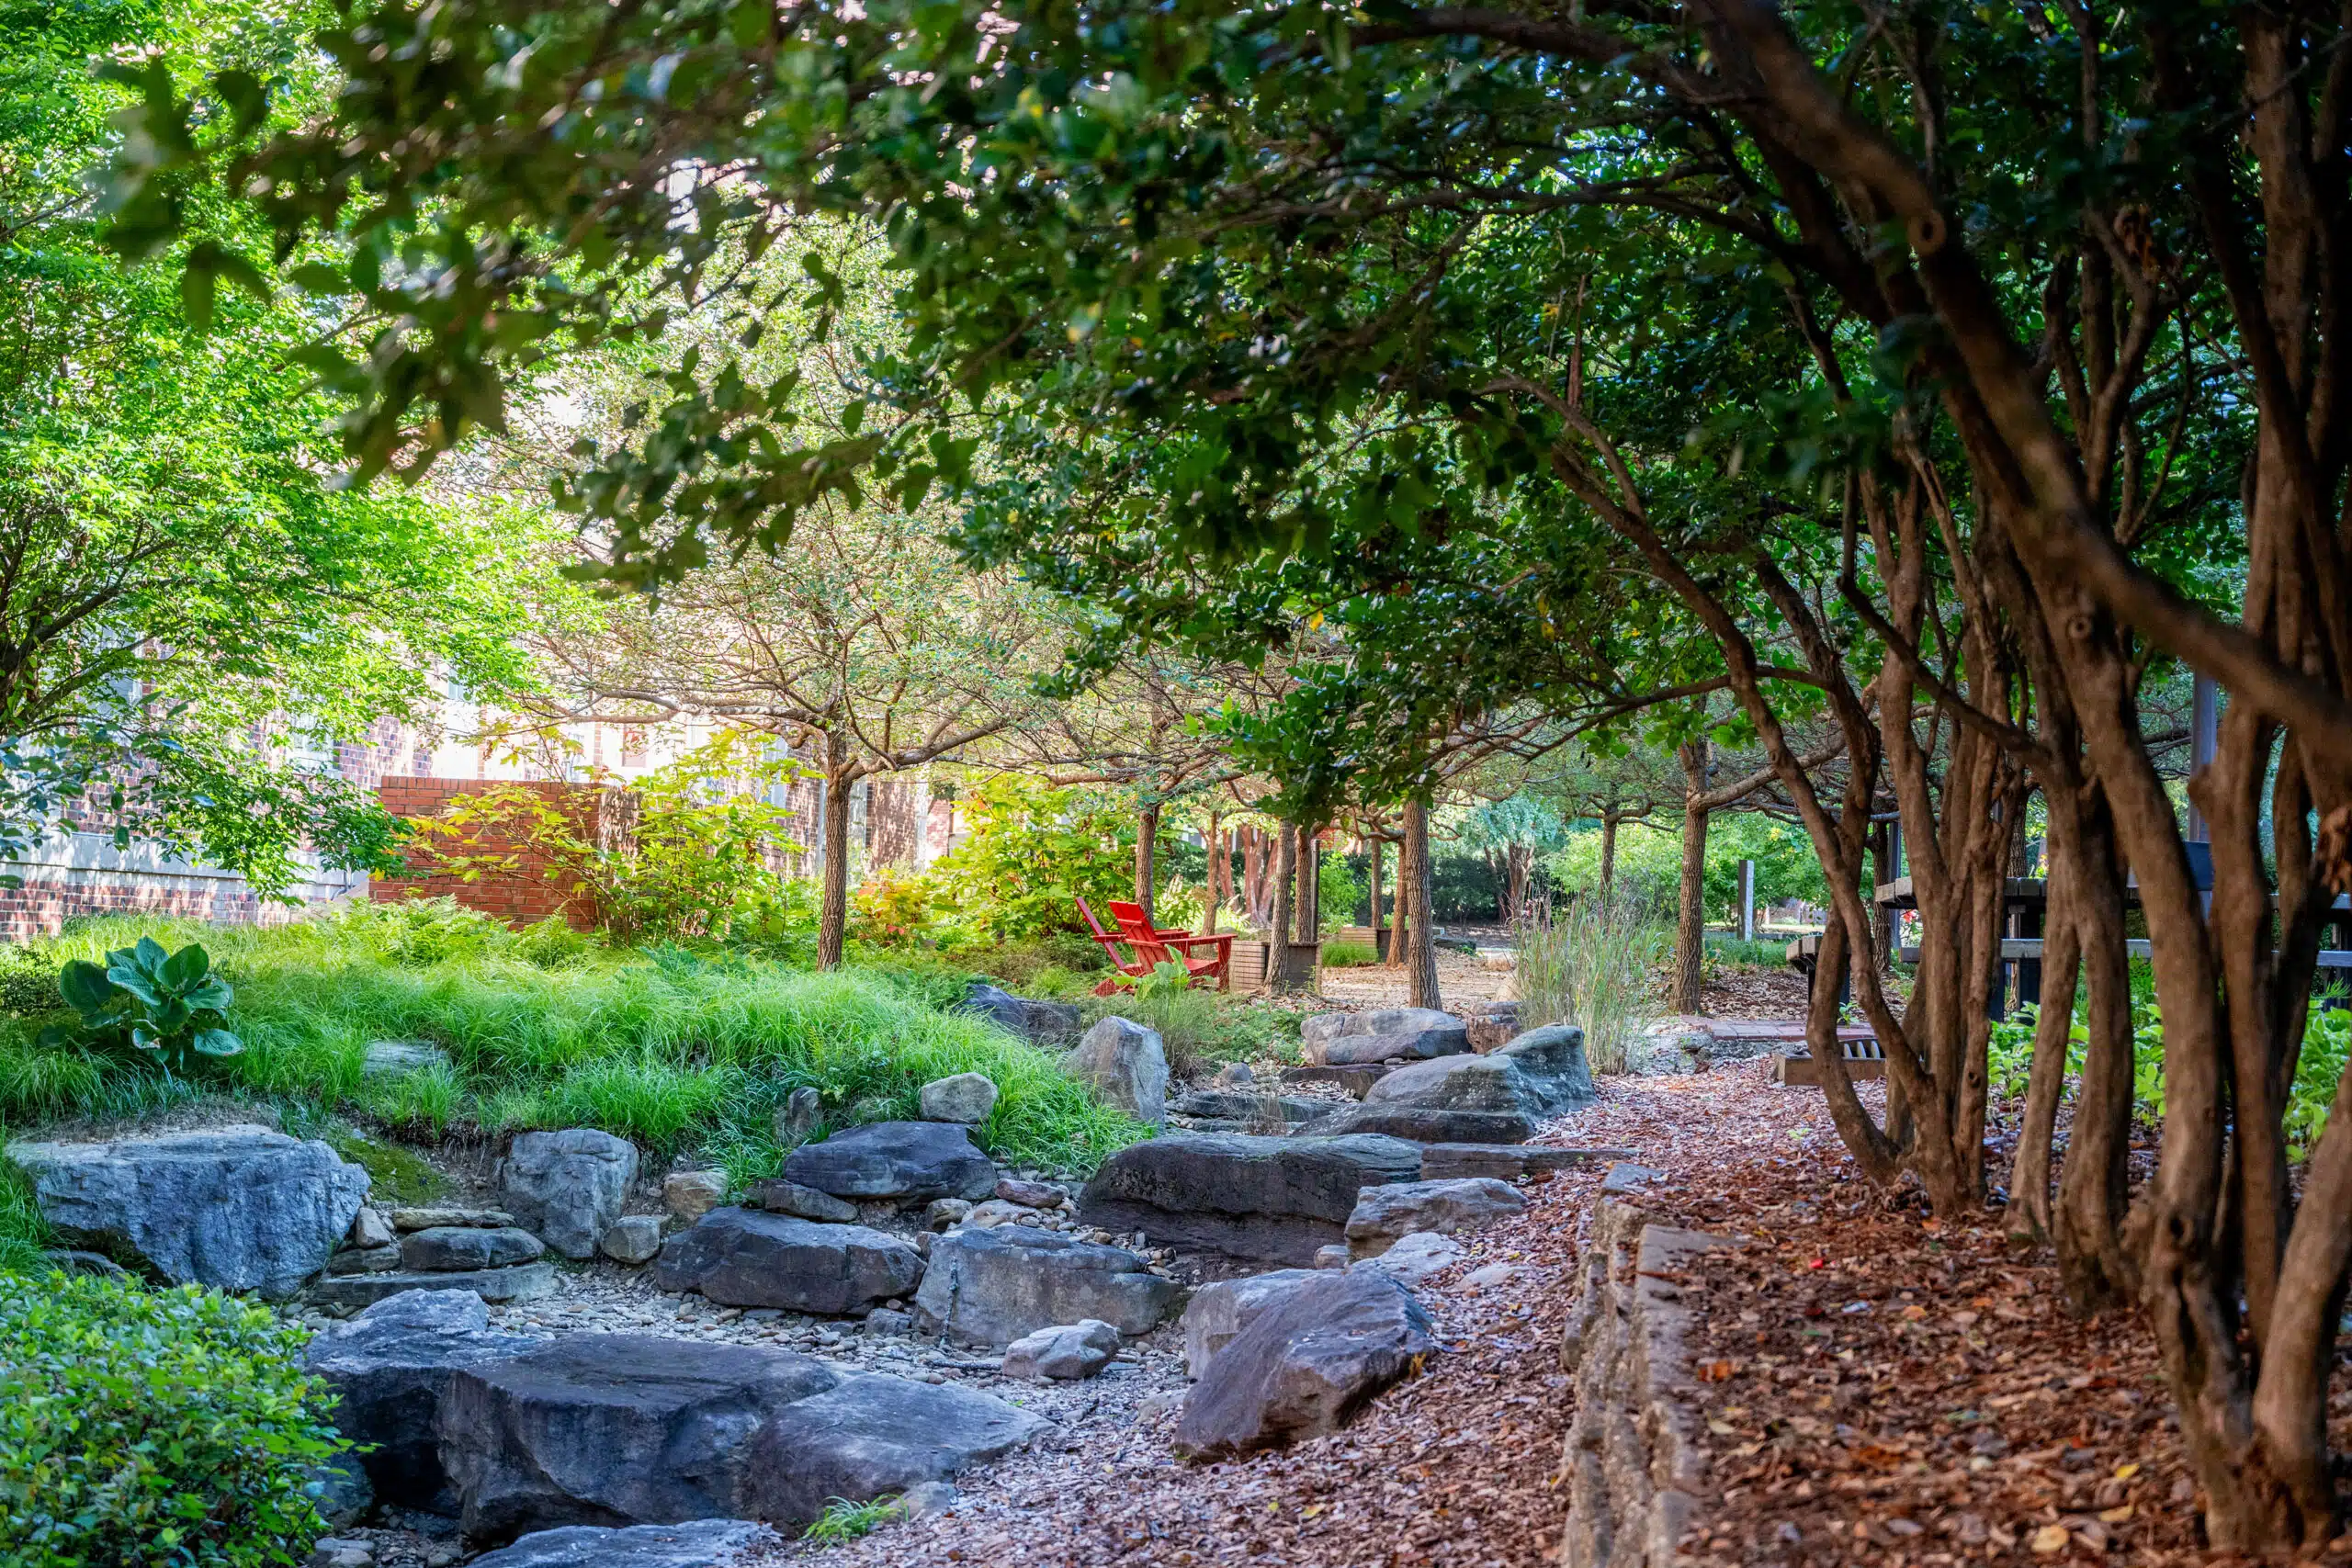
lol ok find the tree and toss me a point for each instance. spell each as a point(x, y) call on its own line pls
point(182, 600)
point(1350, 277)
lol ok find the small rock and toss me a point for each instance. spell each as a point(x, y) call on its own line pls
point(1332, 1257)
point(436, 1219)
point(365, 1260)
point(343, 1492)
point(1415, 1258)
point(1152, 1406)
point(441, 1556)
point(796, 1119)
point(1627, 1176)
point(369, 1228)
point(927, 1499)
point(1030, 1194)
point(967, 1097)
point(632, 1238)
point(392, 1058)
point(1391, 1210)
point(704, 1543)
point(333, 1552)
point(882, 1322)
point(1233, 1075)
point(945, 1211)
point(451, 1249)
point(778, 1196)
point(690, 1194)
point(1492, 1275)
point(1068, 1352)
point(997, 1212)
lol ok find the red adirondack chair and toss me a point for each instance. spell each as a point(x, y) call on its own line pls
point(1148, 947)
point(1134, 925)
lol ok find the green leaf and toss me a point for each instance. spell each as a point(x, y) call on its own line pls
point(186, 967)
point(150, 955)
point(84, 986)
point(137, 984)
point(217, 1043)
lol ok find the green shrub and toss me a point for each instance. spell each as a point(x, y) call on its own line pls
point(1349, 954)
point(28, 983)
point(1031, 852)
point(23, 1234)
point(152, 1428)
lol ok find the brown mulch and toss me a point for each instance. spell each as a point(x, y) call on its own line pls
point(1883, 1390)
point(1755, 993)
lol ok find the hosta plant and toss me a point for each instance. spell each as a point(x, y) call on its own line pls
point(168, 1004)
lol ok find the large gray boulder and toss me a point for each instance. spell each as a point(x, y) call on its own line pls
point(704, 1543)
point(567, 1186)
point(1275, 1200)
point(990, 1287)
point(1305, 1366)
point(1038, 1022)
point(1218, 1312)
point(1124, 1063)
point(1240, 1105)
point(237, 1208)
point(617, 1430)
point(743, 1257)
point(912, 1162)
point(1386, 1214)
point(1493, 1084)
point(390, 1367)
point(1554, 1060)
point(1342, 1039)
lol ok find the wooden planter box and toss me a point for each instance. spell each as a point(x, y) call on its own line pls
point(1249, 960)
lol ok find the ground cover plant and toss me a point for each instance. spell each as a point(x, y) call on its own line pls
point(159, 1428)
point(667, 1047)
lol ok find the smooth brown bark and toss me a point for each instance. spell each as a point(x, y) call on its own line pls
point(832, 907)
point(1147, 841)
point(1691, 913)
point(1421, 949)
point(1279, 932)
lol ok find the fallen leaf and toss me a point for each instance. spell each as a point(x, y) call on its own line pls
point(1717, 1371)
point(2049, 1539)
point(2126, 1471)
point(2115, 1516)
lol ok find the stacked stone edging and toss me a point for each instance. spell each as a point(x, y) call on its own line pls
point(1637, 1472)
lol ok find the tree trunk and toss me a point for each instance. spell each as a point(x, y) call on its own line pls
point(1608, 851)
point(2028, 1219)
point(1406, 913)
point(1146, 837)
point(1882, 873)
point(1421, 951)
point(1253, 874)
point(1691, 922)
point(2095, 1186)
point(1210, 897)
point(1285, 884)
point(832, 908)
point(1378, 953)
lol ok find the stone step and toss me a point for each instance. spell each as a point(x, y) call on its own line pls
point(1442, 1162)
point(523, 1282)
point(436, 1219)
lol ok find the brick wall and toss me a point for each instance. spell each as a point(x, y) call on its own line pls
point(523, 897)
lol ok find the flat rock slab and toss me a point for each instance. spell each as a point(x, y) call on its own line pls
point(993, 1286)
point(1506, 1161)
point(1495, 1084)
point(906, 1161)
point(237, 1208)
point(1272, 1199)
point(778, 1196)
point(1306, 1366)
point(449, 1249)
point(523, 1282)
point(624, 1430)
point(1626, 1176)
point(747, 1259)
point(391, 1365)
point(1386, 1214)
point(1423, 1126)
point(1039, 1022)
point(704, 1543)
point(1239, 1105)
point(434, 1219)
point(569, 1186)
point(1342, 1039)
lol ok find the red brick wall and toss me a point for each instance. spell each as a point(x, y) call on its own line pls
point(523, 897)
point(41, 908)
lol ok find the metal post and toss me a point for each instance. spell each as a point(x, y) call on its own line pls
point(1748, 900)
point(2204, 738)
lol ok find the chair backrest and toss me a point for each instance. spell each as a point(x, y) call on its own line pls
point(1133, 921)
point(1094, 925)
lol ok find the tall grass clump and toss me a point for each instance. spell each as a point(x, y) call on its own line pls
point(1592, 963)
point(673, 1053)
point(23, 1234)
